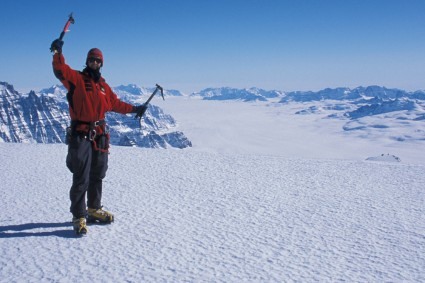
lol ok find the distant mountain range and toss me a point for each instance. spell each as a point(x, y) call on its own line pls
point(227, 93)
point(256, 94)
point(42, 116)
point(358, 93)
point(368, 112)
point(358, 102)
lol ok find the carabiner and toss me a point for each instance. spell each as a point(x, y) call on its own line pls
point(92, 135)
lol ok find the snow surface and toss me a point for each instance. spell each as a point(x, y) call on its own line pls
point(263, 196)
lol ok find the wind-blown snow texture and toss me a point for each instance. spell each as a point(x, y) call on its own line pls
point(192, 216)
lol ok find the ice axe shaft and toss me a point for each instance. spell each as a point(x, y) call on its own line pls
point(68, 23)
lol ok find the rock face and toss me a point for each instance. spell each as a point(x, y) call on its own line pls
point(43, 118)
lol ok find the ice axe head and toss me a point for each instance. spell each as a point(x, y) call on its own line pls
point(161, 89)
point(70, 21)
point(65, 28)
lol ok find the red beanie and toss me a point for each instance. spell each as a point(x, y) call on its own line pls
point(95, 53)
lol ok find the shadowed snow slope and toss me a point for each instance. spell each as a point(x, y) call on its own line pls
point(193, 216)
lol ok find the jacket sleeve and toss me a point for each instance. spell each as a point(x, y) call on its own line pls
point(63, 72)
point(117, 105)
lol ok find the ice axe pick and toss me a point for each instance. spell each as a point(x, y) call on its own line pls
point(158, 87)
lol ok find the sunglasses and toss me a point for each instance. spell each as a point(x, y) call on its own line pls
point(97, 60)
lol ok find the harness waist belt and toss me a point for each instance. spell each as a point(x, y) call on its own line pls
point(75, 123)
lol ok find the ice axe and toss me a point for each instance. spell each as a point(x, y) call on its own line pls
point(158, 87)
point(65, 28)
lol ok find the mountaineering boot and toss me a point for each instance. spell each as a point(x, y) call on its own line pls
point(99, 215)
point(80, 226)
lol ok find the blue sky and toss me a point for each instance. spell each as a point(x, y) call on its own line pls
point(194, 44)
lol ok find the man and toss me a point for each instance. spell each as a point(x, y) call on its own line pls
point(89, 98)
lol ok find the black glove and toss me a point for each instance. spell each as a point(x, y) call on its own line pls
point(56, 46)
point(139, 110)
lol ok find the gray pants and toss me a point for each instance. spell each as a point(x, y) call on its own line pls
point(88, 169)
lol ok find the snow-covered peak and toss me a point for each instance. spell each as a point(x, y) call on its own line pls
point(6, 86)
point(266, 93)
point(57, 90)
point(136, 94)
point(173, 92)
point(228, 93)
point(8, 92)
point(340, 93)
point(131, 89)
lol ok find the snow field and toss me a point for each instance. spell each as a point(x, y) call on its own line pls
point(196, 216)
point(274, 129)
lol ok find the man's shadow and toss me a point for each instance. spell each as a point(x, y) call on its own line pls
point(24, 230)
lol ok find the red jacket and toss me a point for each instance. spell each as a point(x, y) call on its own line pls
point(88, 100)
